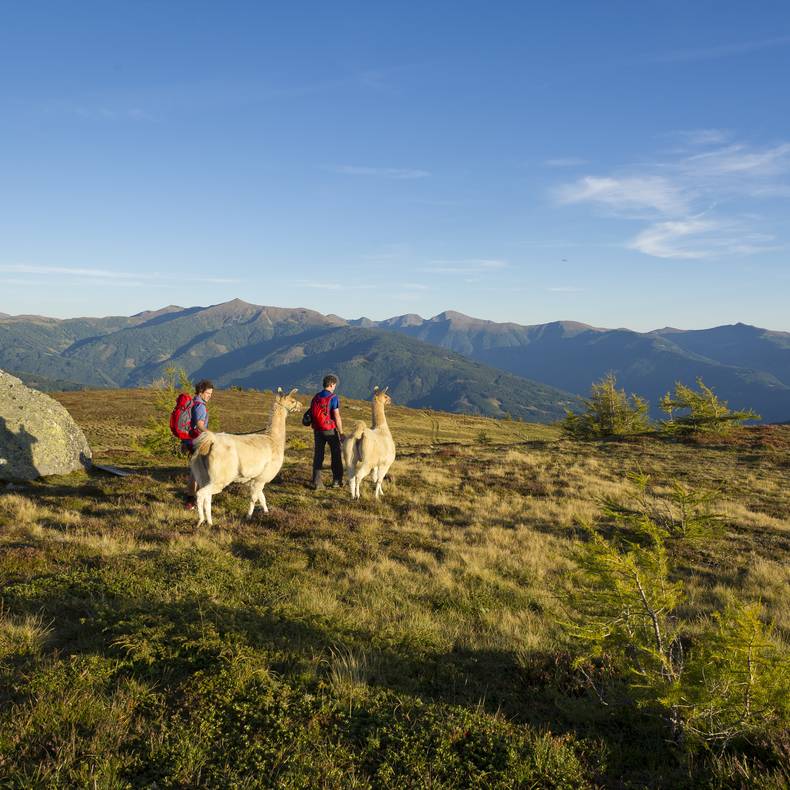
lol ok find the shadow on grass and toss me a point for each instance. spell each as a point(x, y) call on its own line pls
point(165, 642)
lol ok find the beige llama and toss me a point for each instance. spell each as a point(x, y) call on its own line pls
point(370, 449)
point(254, 458)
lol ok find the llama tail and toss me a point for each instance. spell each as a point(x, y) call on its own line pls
point(203, 444)
point(350, 454)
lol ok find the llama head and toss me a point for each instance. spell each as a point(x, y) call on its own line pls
point(287, 401)
point(380, 396)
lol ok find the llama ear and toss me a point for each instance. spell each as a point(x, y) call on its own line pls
point(376, 388)
point(386, 388)
point(293, 392)
point(279, 390)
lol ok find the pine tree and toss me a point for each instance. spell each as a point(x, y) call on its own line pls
point(693, 411)
point(623, 606)
point(730, 679)
point(683, 514)
point(608, 412)
point(738, 683)
point(158, 439)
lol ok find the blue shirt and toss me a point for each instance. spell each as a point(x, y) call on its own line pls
point(199, 412)
point(334, 403)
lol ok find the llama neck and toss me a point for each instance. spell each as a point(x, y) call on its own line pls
point(276, 427)
point(379, 418)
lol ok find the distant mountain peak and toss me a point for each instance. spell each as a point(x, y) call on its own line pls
point(234, 304)
point(574, 326)
point(146, 314)
point(409, 319)
point(454, 315)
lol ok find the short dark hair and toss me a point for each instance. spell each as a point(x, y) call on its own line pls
point(329, 380)
point(203, 385)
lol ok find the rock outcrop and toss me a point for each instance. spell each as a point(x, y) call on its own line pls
point(37, 435)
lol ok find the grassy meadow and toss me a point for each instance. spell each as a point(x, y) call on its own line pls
point(419, 641)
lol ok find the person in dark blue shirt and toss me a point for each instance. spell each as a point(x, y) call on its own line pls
point(327, 429)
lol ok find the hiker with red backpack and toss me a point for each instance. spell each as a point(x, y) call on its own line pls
point(188, 420)
point(324, 416)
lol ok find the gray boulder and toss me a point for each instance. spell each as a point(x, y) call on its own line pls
point(37, 435)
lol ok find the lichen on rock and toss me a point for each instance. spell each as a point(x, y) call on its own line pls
point(38, 436)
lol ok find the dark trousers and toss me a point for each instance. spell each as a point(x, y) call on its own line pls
point(323, 438)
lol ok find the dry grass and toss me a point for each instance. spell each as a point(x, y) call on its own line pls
point(447, 589)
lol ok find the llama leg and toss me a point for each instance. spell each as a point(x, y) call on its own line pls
point(253, 499)
point(203, 501)
point(200, 501)
point(262, 500)
point(377, 477)
point(383, 473)
point(362, 473)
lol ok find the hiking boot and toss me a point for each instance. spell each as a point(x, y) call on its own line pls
point(316, 485)
point(337, 483)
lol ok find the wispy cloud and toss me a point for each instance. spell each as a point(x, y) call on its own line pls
point(18, 281)
point(396, 173)
point(389, 253)
point(697, 137)
point(466, 266)
point(698, 238)
point(741, 160)
point(100, 111)
point(334, 286)
point(626, 195)
point(414, 286)
point(568, 161)
point(689, 197)
point(679, 239)
point(721, 50)
point(106, 275)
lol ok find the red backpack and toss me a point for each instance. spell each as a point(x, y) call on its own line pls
point(181, 418)
point(319, 411)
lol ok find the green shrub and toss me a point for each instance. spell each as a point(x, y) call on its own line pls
point(737, 683)
point(685, 513)
point(731, 680)
point(157, 437)
point(608, 412)
point(693, 411)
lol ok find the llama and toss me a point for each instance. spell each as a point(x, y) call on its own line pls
point(254, 458)
point(370, 449)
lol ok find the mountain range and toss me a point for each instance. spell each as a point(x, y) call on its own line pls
point(264, 347)
point(747, 366)
point(451, 361)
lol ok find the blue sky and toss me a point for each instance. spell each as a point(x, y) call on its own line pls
point(621, 164)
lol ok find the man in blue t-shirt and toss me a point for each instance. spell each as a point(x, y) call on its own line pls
point(327, 429)
point(204, 389)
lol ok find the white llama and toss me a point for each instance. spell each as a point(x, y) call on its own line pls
point(372, 449)
point(254, 458)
